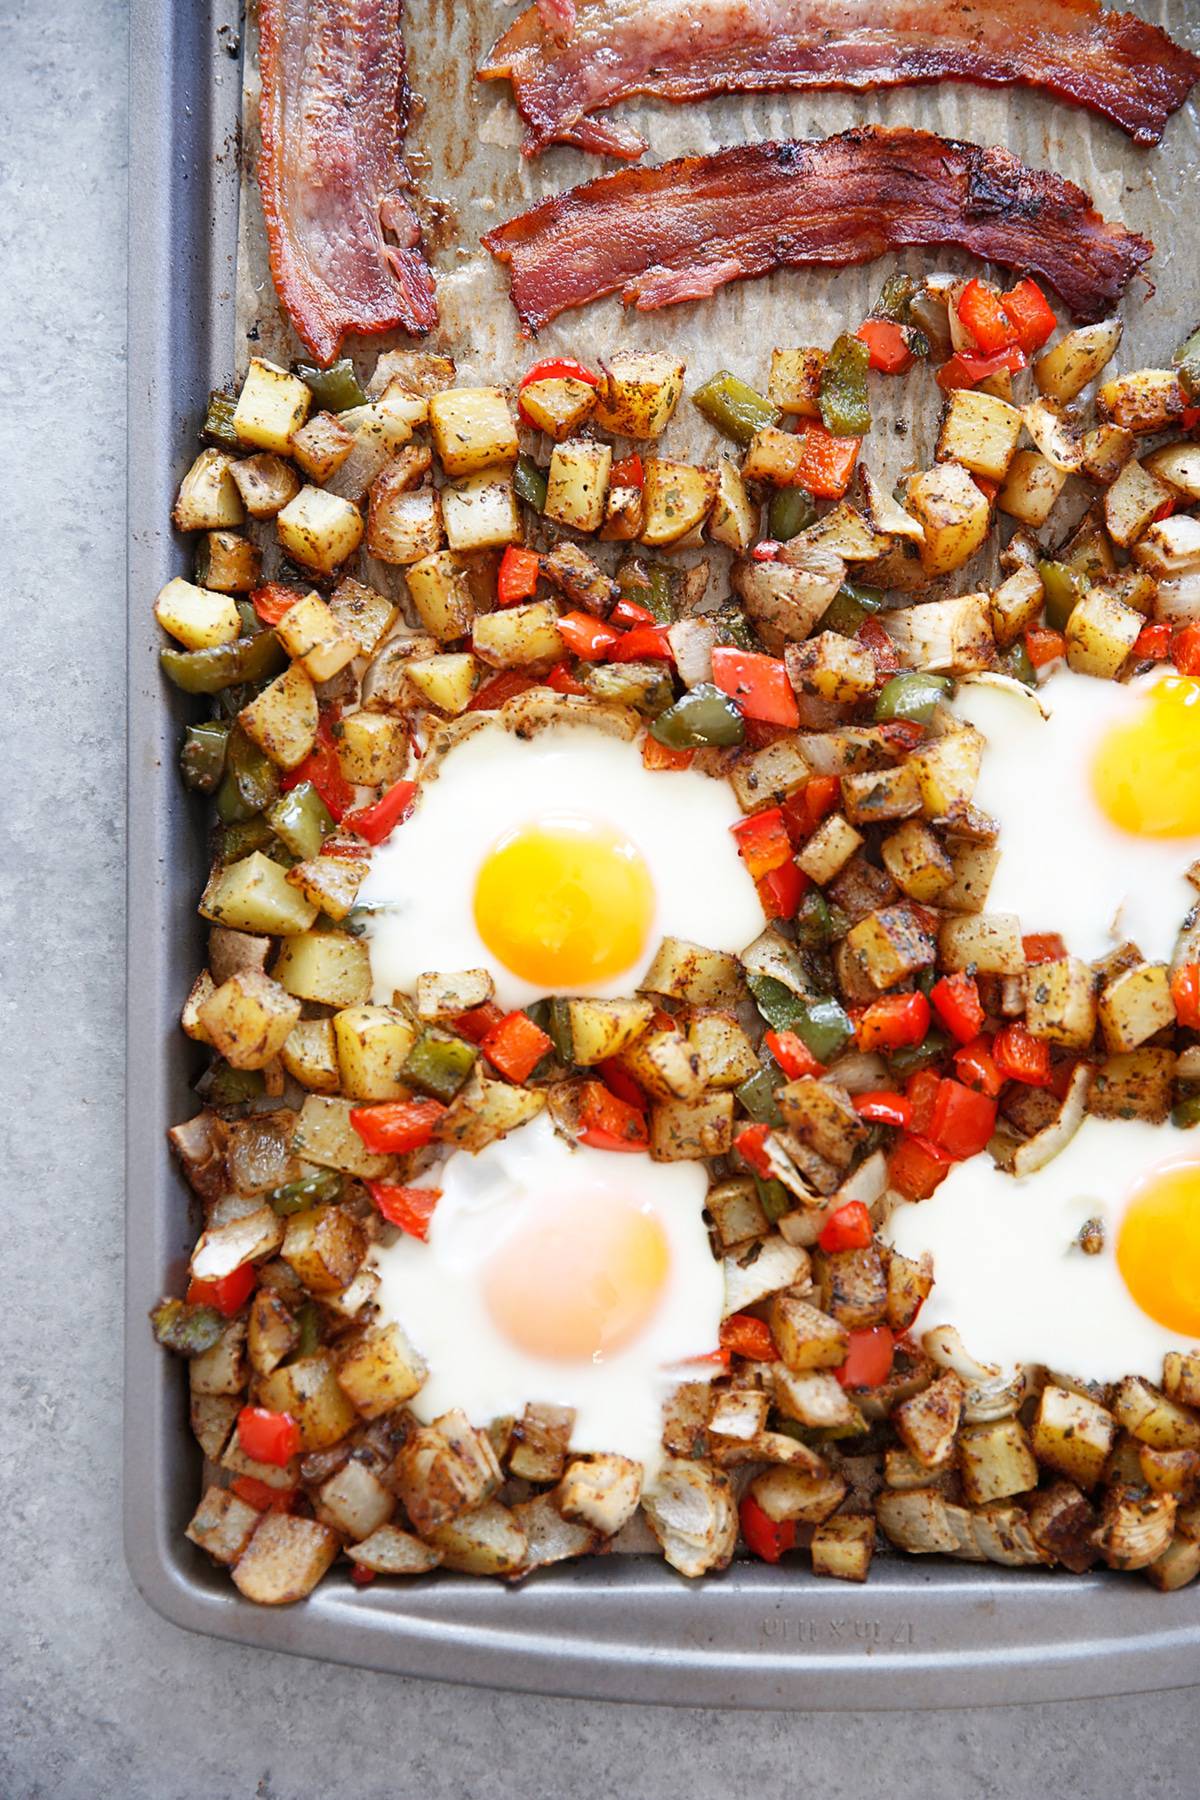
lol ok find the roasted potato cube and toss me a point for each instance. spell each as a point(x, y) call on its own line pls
point(1178, 1564)
point(319, 529)
point(829, 849)
point(254, 895)
point(1104, 451)
point(974, 865)
point(1143, 401)
point(794, 385)
point(1030, 488)
point(1181, 1376)
point(446, 682)
point(1073, 1434)
point(725, 1051)
point(324, 1246)
point(366, 615)
point(354, 1500)
point(947, 770)
point(878, 795)
point(1015, 604)
point(307, 1388)
point(539, 1443)
point(602, 1492)
point(1132, 502)
point(774, 456)
point(816, 1398)
point(286, 1558)
point(519, 635)
point(734, 517)
point(832, 667)
point(1101, 632)
point(324, 1135)
point(1134, 1084)
point(685, 971)
point(638, 392)
point(372, 1045)
point(441, 595)
point(928, 1422)
point(372, 750)
point(248, 1019)
point(665, 1065)
point(311, 635)
point(331, 883)
point(980, 432)
point(853, 1286)
point(577, 483)
point(228, 563)
point(1060, 1002)
point(676, 498)
point(321, 446)
point(995, 1460)
point(767, 776)
point(484, 1110)
point(1135, 1005)
point(480, 512)
point(472, 428)
point(221, 1370)
point(558, 404)
point(955, 515)
point(822, 1115)
point(271, 407)
point(916, 861)
point(325, 966)
point(1153, 1419)
point(843, 1547)
point(1179, 466)
point(197, 617)
point(223, 1525)
point(737, 1212)
point(445, 1470)
point(908, 1285)
point(892, 944)
point(390, 1551)
point(989, 943)
point(601, 1029)
point(380, 1371)
point(1066, 369)
point(1169, 547)
point(685, 1130)
point(487, 1541)
point(272, 1332)
point(844, 531)
point(282, 719)
point(208, 498)
point(442, 996)
point(806, 1337)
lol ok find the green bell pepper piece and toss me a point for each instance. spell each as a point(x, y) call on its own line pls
point(895, 297)
point(733, 627)
point(335, 389)
point(309, 1321)
point(251, 780)
point(301, 820)
point(774, 1198)
point(703, 716)
point(824, 1026)
point(202, 758)
point(812, 921)
point(852, 603)
point(235, 841)
point(910, 1057)
point(249, 659)
point(229, 1087)
point(1186, 1113)
point(298, 1196)
point(188, 1330)
point(912, 695)
point(1015, 662)
point(439, 1063)
point(733, 408)
point(1187, 360)
point(844, 401)
point(790, 511)
point(530, 483)
point(777, 1003)
point(757, 1095)
point(218, 421)
point(1064, 589)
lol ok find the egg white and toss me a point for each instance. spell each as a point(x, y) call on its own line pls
point(1064, 866)
point(1008, 1270)
point(435, 1291)
point(421, 885)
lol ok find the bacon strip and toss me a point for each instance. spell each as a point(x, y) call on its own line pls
point(1109, 62)
point(334, 111)
point(683, 230)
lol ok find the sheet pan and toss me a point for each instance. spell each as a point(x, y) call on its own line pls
point(919, 1633)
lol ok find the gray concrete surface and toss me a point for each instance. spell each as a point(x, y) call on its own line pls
point(98, 1697)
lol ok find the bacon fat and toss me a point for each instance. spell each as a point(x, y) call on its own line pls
point(680, 231)
point(1110, 62)
point(345, 243)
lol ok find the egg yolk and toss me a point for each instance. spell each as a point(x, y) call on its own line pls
point(564, 903)
point(1146, 772)
point(580, 1279)
point(1158, 1248)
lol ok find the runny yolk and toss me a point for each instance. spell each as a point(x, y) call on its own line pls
point(1146, 772)
point(564, 903)
point(1158, 1248)
point(580, 1279)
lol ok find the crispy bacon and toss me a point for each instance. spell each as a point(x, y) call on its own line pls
point(334, 110)
point(1109, 62)
point(683, 230)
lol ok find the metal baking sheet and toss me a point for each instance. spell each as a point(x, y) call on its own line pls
point(919, 1633)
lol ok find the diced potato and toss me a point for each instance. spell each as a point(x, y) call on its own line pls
point(519, 635)
point(1144, 401)
point(952, 635)
point(488, 1541)
point(1134, 1084)
point(806, 1337)
point(974, 866)
point(208, 498)
point(577, 483)
point(665, 1064)
point(1133, 501)
point(829, 849)
point(1060, 1002)
point(372, 749)
point(282, 720)
point(623, 514)
point(831, 667)
point(472, 428)
point(390, 1551)
point(1015, 604)
point(1105, 451)
point(404, 523)
point(484, 1110)
point(795, 382)
point(602, 1492)
point(272, 1333)
point(311, 635)
point(1135, 1005)
point(1181, 1376)
point(380, 1370)
point(324, 1135)
point(676, 498)
point(737, 1212)
point(979, 432)
point(734, 517)
point(248, 1019)
point(558, 404)
point(196, 616)
point(821, 1115)
point(927, 1422)
point(221, 1370)
point(539, 1443)
point(685, 971)
point(354, 1500)
point(271, 407)
point(725, 1051)
point(891, 944)
point(446, 682)
point(321, 446)
point(638, 392)
point(685, 1130)
point(266, 483)
point(331, 883)
point(816, 1398)
point(1179, 466)
point(775, 456)
point(445, 1470)
point(480, 512)
point(1153, 1419)
point(228, 563)
point(916, 861)
point(845, 531)
point(324, 1246)
point(908, 1285)
point(843, 1547)
point(1030, 489)
point(601, 1029)
point(366, 615)
point(954, 512)
point(1073, 1434)
point(223, 1525)
point(319, 529)
point(372, 1044)
point(1066, 369)
point(765, 777)
point(325, 966)
point(989, 943)
point(1100, 633)
point(1177, 1565)
point(996, 1461)
point(853, 1286)
point(441, 595)
point(286, 1558)
point(254, 895)
point(444, 996)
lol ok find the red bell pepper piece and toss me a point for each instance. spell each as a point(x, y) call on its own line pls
point(411, 1208)
point(750, 1144)
point(562, 681)
point(747, 1336)
point(608, 1122)
point(658, 756)
point(627, 612)
point(975, 1067)
point(1185, 995)
point(982, 312)
point(360, 1575)
point(394, 1126)
point(792, 1054)
point(1153, 643)
point(902, 734)
point(781, 890)
point(1031, 315)
point(261, 1495)
point(920, 1090)
point(478, 1021)
point(378, 821)
point(628, 472)
point(803, 812)
point(1185, 652)
point(322, 769)
point(884, 653)
point(1044, 646)
point(826, 462)
point(759, 684)
point(643, 642)
point(765, 1537)
point(895, 1022)
point(763, 842)
point(516, 1046)
point(273, 599)
point(888, 345)
point(558, 368)
point(517, 576)
point(1043, 946)
point(268, 1437)
point(963, 1119)
point(956, 1002)
point(766, 550)
point(759, 734)
point(228, 1293)
point(587, 637)
point(849, 1228)
point(622, 1084)
point(965, 370)
point(916, 1167)
point(505, 685)
point(869, 1357)
point(1021, 1056)
point(883, 1107)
